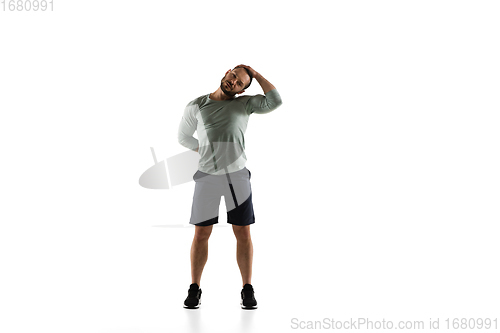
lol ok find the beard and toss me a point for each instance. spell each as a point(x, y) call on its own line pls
point(223, 88)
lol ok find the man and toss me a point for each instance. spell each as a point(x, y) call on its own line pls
point(220, 119)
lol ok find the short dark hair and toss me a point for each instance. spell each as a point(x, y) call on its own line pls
point(249, 74)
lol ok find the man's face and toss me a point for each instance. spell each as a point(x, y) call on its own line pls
point(234, 81)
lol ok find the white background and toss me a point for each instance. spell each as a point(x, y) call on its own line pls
point(375, 184)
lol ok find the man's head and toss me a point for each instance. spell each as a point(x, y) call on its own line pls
point(236, 81)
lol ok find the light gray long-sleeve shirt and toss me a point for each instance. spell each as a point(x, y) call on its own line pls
point(221, 127)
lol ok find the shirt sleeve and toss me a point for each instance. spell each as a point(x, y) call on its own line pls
point(264, 104)
point(188, 126)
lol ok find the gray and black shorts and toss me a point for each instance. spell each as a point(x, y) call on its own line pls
point(237, 192)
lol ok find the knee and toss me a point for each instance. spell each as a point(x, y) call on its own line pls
point(242, 233)
point(202, 234)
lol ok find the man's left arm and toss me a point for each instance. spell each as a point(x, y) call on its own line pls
point(265, 85)
point(263, 104)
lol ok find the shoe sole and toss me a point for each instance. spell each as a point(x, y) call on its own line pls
point(249, 307)
point(192, 307)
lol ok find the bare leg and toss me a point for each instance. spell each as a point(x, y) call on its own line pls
point(199, 251)
point(244, 252)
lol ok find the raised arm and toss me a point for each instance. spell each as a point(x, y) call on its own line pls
point(259, 103)
point(265, 85)
point(264, 104)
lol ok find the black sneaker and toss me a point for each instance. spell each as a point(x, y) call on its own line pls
point(193, 300)
point(247, 297)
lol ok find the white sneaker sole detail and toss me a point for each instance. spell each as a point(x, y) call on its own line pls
point(192, 307)
point(251, 307)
